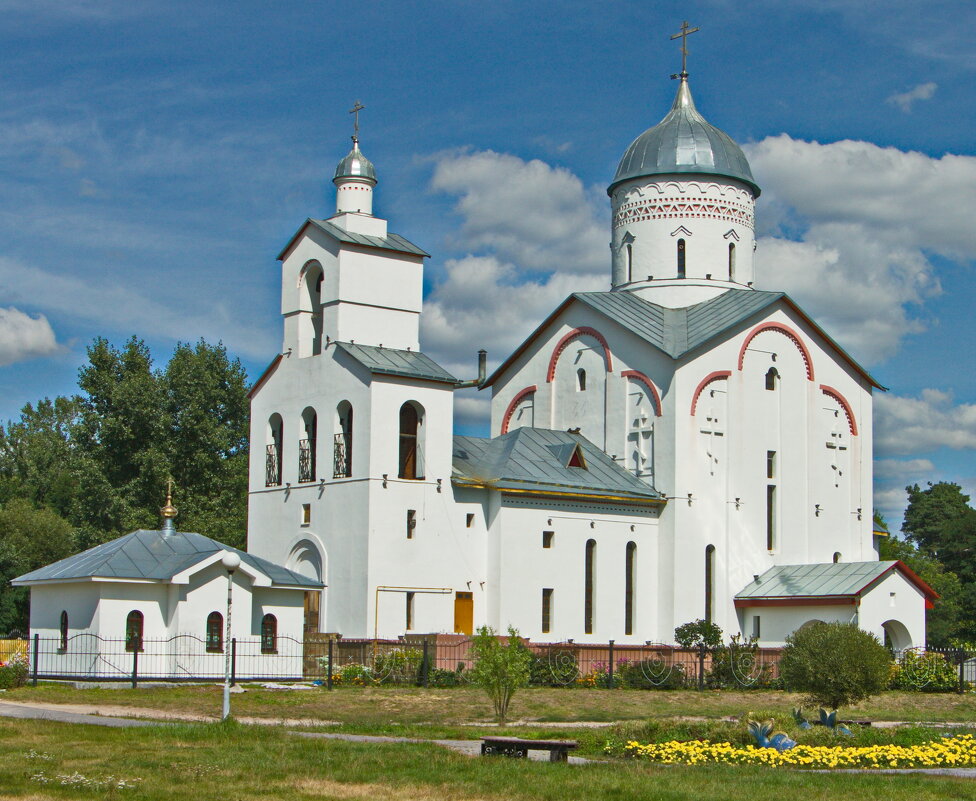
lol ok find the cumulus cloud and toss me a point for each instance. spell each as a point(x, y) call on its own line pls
point(905, 100)
point(902, 469)
point(848, 229)
point(923, 424)
point(23, 337)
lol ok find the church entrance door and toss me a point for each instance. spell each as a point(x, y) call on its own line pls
point(463, 613)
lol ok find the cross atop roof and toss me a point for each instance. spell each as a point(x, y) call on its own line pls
point(683, 35)
point(355, 110)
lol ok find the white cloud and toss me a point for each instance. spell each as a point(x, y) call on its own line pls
point(905, 100)
point(24, 337)
point(867, 216)
point(905, 426)
point(528, 213)
point(902, 469)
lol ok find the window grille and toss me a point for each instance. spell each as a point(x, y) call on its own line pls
point(306, 461)
point(272, 467)
point(342, 456)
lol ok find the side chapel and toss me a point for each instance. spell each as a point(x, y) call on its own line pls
point(680, 446)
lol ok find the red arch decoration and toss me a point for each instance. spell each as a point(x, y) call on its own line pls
point(513, 404)
point(848, 412)
point(576, 333)
point(718, 375)
point(655, 396)
point(786, 331)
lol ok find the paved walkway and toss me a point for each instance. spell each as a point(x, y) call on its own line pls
point(466, 747)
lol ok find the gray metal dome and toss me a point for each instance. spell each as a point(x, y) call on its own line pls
point(683, 142)
point(355, 165)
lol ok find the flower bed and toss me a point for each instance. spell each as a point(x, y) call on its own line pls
point(956, 752)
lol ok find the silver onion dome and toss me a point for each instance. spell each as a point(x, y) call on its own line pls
point(355, 165)
point(683, 142)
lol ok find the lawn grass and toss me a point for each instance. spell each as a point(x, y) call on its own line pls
point(245, 762)
point(383, 706)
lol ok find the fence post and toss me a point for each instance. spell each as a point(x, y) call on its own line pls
point(135, 663)
point(328, 681)
point(961, 659)
point(701, 666)
point(233, 661)
point(610, 676)
point(425, 669)
point(37, 640)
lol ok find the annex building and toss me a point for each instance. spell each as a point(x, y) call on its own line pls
point(682, 445)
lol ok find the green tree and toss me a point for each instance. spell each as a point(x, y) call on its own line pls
point(29, 538)
point(500, 669)
point(834, 664)
point(928, 512)
point(697, 633)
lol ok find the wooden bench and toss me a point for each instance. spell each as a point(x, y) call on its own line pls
point(518, 748)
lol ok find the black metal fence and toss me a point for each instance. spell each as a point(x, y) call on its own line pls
point(444, 660)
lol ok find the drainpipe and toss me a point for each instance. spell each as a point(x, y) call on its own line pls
point(482, 373)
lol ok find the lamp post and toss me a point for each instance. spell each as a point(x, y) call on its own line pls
point(231, 561)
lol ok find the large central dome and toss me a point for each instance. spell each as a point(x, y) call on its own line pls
point(683, 142)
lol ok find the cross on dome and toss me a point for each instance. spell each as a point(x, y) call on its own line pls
point(683, 35)
point(357, 107)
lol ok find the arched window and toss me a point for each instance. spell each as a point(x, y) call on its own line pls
point(342, 449)
point(630, 261)
point(312, 287)
point(272, 464)
point(588, 586)
point(215, 633)
point(731, 261)
point(581, 380)
point(837, 557)
point(411, 441)
point(269, 634)
point(629, 588)
point(64, 631)
point(133, 631)
point(709, 581)
point(681, 258)
point(308, 446)
point(772, 379)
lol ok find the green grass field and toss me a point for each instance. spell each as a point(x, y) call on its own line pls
point(210, 761)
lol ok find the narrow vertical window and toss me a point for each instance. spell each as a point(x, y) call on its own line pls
point(409, 610)
point(306, 514)
point(272, 469)
point(630, 262)
point(588, 586)
point(215, 633)
point(731, 261)
point(772, 379)
point(546, 610)
point(756, 630)
point(269, 634)
point(709, 581)
point(837, 557)
point(307, 447)
point(342, 447)
point(133, 631)
point(411, 457)
point(411, 522)
point(64, 631)
point(547, 537)
point(770, 516)
point(581, 380)
point(681, 258)
point(770, 464)
point(629, 588)
point(469, 520)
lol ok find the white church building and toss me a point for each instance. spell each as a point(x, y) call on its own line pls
point(680, 446)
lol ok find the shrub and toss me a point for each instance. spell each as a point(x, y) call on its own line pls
point(650, 674)
point(438, 677)
point(734, 666)
point(398, 665)
point(14, 672)
point(928, 672)
point(697, 633)
point(835, 664)
point(554, 668)
point(500, 669)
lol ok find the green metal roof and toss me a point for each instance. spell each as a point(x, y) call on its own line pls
point(156, 556)
point(391, 241)
point(389, 361)
point(536, 459)
point(818, 580)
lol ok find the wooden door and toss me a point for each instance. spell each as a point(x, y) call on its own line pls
point(463, 613)
point(312, 612)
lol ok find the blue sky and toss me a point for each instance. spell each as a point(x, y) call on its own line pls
point(154, 157)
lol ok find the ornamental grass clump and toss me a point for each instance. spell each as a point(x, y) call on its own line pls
point(835, 664)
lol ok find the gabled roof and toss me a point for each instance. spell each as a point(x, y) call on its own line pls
point(154, 556)
point(391, 241)
point(536, 461)
point(825, 582)
point(390, 361)
point(676, 332)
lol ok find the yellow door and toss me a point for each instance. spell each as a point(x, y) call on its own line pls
point(463, 613)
